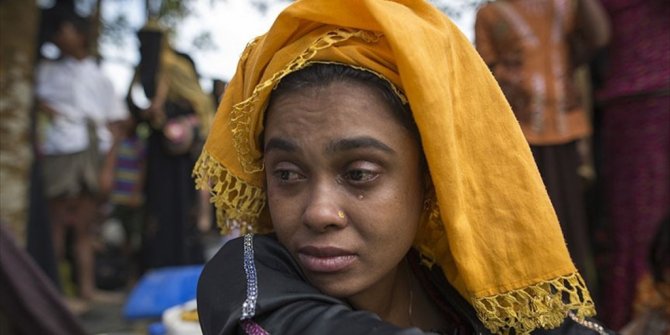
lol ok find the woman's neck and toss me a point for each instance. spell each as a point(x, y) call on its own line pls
point(401, 300)
point(389, 299)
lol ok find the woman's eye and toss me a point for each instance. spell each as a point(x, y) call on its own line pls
point(360, 176)
point(287, 175)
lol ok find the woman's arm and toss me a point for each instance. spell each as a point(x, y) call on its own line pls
point(156, 111)
point(593, 22)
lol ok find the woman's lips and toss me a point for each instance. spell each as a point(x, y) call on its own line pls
point(325, 259)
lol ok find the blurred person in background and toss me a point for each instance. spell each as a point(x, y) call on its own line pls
point(82, 122)
point(635, 120)
point(178, 116)
point(127, 176)
point(533, 47)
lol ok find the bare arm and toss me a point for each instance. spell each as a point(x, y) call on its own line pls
point(595, 22)
point(156, 111)
point(46, 109)
point(592, 27)
point(484, 41)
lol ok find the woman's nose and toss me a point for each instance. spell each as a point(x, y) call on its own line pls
point(323, 211)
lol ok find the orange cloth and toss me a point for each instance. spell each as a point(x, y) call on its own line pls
point(526, 45)
point(491, 228)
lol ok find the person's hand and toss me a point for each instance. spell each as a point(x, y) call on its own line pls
point(46, 109)
point(106, 174)
point(155, 114)
point(119, 129)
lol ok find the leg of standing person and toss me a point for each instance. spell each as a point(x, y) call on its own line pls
point(60, 214)
point(57, 214)
point(84, 220)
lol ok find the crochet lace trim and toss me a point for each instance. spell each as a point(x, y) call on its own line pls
point(238, 204)
point(543, 305)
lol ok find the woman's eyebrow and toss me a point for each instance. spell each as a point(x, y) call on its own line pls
point(358, 143)
point(282, 144)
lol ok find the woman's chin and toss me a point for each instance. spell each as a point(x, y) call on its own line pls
point(341, 288)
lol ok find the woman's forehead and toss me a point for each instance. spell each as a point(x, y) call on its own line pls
point(336, 115)
point(351, 104)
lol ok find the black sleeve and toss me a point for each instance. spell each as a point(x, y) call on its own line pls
point(286, 303)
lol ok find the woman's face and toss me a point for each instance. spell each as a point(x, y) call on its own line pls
point(344, 184)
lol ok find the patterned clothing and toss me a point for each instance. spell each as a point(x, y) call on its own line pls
point(129, 172)
point(636, 178)
point(635, 99)
point(639, 53)
point(526, 45)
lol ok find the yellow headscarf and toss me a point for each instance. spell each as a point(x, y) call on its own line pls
point(492, 228)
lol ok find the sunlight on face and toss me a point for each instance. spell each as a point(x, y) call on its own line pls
point(344, 185)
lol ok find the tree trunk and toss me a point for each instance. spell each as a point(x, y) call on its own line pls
point(18, 38)
point(96, 30)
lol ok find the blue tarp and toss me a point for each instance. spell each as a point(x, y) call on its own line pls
point(161, 289)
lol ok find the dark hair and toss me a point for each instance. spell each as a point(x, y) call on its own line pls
point(62, 16)
point(322, 74)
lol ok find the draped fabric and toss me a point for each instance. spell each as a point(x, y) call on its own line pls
point(490, 226)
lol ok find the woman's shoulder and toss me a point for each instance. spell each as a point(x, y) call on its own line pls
point(253, 280)
point(228, 270)
point(263, 250)
point(223, 284)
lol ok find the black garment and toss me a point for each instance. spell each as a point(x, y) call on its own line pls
point(288, 304)
point(170, 235)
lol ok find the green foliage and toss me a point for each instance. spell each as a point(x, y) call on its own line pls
point(456, 8)
point(172, 12)
point(117, 29)
point(204, 41)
